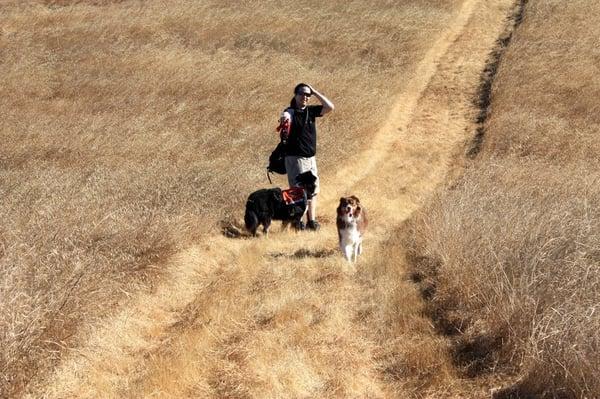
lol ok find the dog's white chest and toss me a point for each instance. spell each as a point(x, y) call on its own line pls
point(350, 235)
point(351, 241)
point(351, 223)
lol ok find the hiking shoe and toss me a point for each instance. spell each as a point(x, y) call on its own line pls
point(299, 225)
point(313, 225)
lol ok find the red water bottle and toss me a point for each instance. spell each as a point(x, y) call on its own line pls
point(284, 126)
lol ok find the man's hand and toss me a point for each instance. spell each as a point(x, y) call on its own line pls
point(327, 104)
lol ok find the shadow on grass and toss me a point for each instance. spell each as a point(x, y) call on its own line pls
point(232, 229)
point(305, 253)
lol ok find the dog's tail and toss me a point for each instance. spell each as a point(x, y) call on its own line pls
point(251, 221)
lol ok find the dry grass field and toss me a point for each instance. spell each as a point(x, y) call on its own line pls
point(510, 253)
point(131, 130)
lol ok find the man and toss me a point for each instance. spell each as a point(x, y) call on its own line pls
point(301, 144)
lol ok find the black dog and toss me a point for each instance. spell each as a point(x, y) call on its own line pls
point(269, 204)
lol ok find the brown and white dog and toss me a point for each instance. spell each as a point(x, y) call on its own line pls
point(351, 225)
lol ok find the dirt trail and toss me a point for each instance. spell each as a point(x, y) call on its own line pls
point(271, 318)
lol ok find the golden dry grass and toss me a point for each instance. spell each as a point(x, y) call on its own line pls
point(509, 254)
point(131, 129)
point(284, 316)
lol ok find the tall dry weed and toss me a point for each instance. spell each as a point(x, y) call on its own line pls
point(509, 255)
point(513, 254)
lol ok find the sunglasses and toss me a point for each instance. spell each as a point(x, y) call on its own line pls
point(303, 93)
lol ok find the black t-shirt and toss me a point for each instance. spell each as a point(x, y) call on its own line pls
point(302, 140)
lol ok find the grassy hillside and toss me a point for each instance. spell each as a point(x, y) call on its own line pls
point(510, 254)
point(130, 129)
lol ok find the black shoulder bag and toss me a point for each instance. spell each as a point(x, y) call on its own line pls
point(277, 161)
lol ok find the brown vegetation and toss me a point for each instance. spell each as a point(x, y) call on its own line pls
point(129, 129)
point(286, 316)
point(509, 255)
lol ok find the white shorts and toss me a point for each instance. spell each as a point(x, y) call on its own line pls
point(296, 165)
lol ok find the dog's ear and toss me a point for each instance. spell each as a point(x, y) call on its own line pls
point(307, 178)
point(310, 190)
point(355, 198)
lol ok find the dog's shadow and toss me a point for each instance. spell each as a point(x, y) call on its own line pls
point(232, 229)
point(305, 253)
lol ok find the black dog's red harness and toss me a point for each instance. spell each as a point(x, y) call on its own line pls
point(293, 195)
